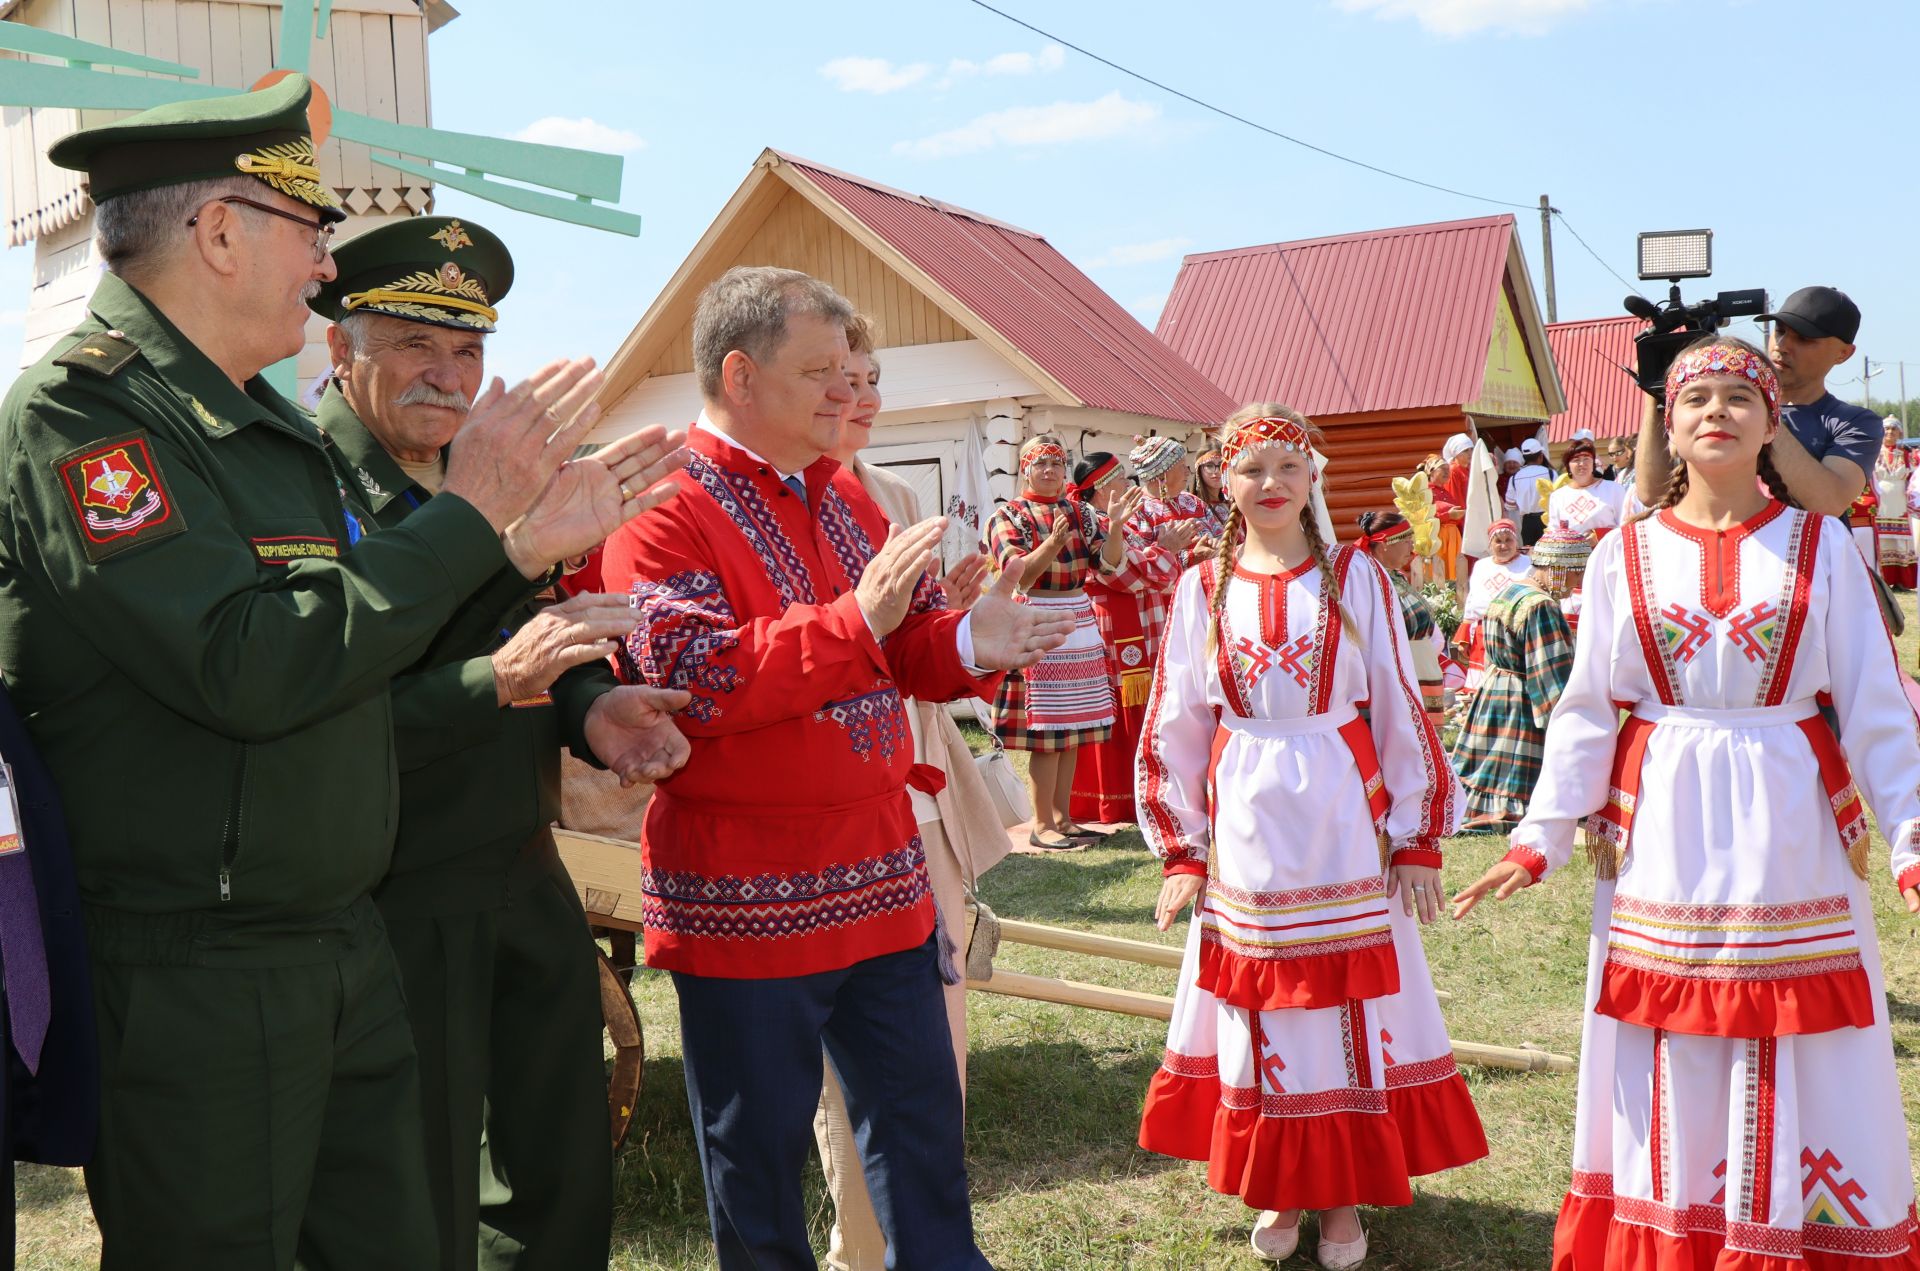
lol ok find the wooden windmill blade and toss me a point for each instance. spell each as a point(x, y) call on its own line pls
point(582, 182)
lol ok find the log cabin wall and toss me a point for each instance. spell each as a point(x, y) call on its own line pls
point(1366, 452)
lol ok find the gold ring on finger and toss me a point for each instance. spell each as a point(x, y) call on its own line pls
point(625, 493)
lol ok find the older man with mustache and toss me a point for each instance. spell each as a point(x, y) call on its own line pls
point(493, 946)
point(200, 633)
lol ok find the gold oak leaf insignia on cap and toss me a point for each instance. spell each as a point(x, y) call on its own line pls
point(453, 236)
point(289, 168)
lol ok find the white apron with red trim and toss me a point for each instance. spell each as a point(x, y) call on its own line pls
point(1738, 1106)
point(1307, 1062)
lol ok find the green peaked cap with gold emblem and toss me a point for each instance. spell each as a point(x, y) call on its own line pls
point(263, 134)
point(432, 269)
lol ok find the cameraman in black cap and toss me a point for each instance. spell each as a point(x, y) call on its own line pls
point(1827, 448)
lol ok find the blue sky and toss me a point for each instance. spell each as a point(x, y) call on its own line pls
point(1786, 127)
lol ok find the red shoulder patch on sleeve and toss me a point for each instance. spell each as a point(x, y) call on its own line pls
point(117, 495)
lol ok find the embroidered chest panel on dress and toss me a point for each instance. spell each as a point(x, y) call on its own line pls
point(1277, 624)
point(1721, 608)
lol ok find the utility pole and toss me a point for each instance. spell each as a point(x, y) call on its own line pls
point(1546, 254)
point(1866, 381)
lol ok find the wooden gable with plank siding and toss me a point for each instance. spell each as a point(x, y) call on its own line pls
point(799, 236)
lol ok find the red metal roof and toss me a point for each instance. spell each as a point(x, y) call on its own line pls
point(1600, 395)
point(1015, 282)
point(1387, 320)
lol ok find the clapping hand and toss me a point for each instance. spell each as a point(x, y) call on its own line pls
point(1008, 635)
point(1124, 505)
point(886, 587)
point(631, 730)
point(964, 581)
point(572, 633)
point(1179, 535)
point(589, 498)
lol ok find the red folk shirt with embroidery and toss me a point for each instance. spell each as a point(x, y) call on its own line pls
point(787, 845)
point(1157, 514)
point(1147, 575)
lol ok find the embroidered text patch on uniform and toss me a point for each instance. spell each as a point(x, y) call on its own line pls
point(285, 551)
point(117, 495)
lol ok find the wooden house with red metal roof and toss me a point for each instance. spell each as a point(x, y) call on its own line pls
point(1595, 359)
point(1389, 340)
point(982, 326)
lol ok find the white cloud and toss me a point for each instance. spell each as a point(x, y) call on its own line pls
point(873, 74)
point(1109, 116)
point(1050, 58)
point(1141, 253)
point(581, 134)
point(1464, 17)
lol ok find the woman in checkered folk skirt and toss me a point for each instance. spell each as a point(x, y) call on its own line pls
point(1529, 652)
point(1306, 1062)
point(1065, 700)
point(1738, 1105)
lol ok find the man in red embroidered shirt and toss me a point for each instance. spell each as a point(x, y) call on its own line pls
point(784, 883)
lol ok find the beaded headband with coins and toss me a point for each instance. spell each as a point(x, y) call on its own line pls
point(1268, 430)
point(1724, 359)
point(1041, 448)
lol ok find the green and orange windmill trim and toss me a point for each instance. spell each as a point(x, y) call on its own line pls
point(584, 183)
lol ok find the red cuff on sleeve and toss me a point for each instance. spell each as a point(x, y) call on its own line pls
point(1185, 865)
point(1534, 863)
point(1417, 854)
point(1909, 877)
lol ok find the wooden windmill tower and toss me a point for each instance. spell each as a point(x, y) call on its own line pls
point(67, 64)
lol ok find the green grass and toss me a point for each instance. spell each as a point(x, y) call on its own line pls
point(1054, 1095)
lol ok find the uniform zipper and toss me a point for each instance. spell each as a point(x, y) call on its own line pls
point(230, 845)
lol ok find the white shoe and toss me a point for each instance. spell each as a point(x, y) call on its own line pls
point(1339, 1257)
point(1273, 1242)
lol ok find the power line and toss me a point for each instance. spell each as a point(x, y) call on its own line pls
point(1224, 113)
point(1596, 255)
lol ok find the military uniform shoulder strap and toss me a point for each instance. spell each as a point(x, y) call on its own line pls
point(104, 353)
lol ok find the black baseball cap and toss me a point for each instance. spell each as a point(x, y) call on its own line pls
point(1817, 312)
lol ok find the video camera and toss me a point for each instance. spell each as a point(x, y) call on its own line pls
point(1673, 255)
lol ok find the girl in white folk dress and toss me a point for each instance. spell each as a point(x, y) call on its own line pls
point(1738, 1108)
point(1306, 1062)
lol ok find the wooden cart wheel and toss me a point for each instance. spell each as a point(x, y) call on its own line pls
point(629, 1049)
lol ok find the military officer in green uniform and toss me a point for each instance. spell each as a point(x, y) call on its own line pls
point(493, 945)
point(201, 638)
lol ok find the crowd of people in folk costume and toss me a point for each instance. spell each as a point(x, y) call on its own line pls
point(1737, 1097)
point(244, 1079)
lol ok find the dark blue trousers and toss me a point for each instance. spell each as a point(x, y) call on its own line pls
point(753, 1064)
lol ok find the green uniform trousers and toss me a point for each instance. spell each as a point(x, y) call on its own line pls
point(505, 1004)
point(251, 1114)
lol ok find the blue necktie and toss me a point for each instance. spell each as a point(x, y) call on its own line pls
point(799, 487)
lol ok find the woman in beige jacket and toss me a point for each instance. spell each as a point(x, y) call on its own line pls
point(959, 829)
